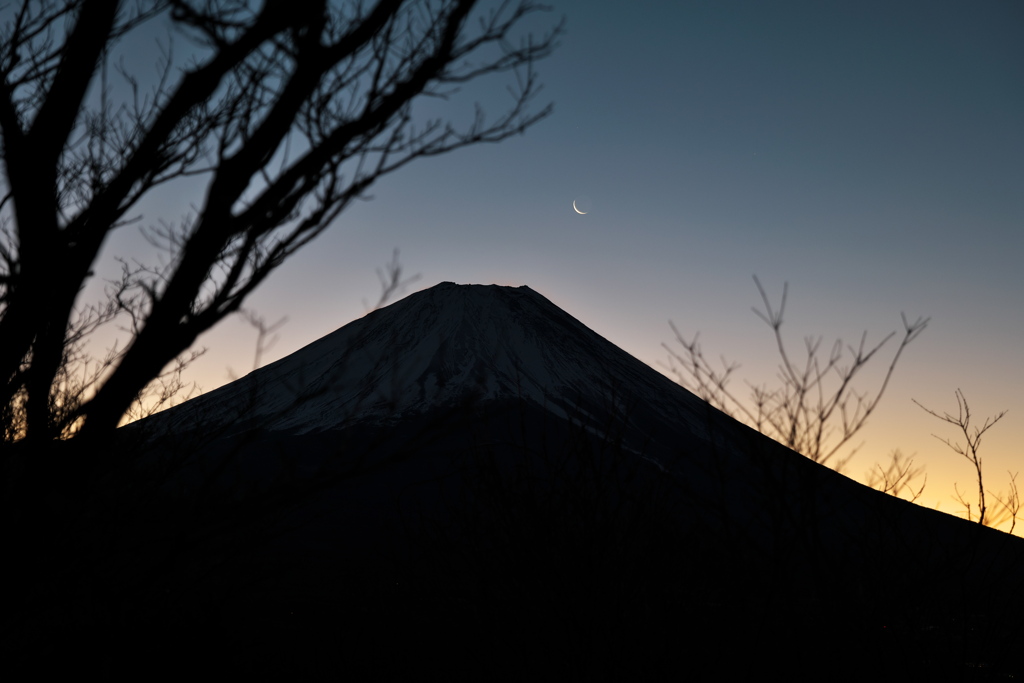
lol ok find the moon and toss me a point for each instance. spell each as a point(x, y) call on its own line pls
point(582, 213)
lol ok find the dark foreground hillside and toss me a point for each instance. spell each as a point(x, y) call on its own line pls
point(557, 560)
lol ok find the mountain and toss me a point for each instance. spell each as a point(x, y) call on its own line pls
point(431, 370)
point(454, 368)
point(476, 432)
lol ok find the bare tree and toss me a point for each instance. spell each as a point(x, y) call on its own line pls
point(1009, 503)
point(816, 410)
point(288, 111)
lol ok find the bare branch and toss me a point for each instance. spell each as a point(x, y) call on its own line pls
point(290, 111)
point(962, 421)
point(896, 477)
point(1009, 505)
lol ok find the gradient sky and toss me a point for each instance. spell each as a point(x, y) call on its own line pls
point(871, 154)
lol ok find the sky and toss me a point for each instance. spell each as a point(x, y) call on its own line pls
point(869, 154)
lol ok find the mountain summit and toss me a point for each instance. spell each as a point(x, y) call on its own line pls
point(440, 348)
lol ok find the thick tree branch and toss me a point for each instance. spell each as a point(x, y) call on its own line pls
point(331, 87)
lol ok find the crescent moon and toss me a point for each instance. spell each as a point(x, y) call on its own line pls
point(582, 213)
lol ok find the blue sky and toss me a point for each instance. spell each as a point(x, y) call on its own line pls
point(871, 154)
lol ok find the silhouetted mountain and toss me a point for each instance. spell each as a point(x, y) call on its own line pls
point(466, 429)
point(455, 368)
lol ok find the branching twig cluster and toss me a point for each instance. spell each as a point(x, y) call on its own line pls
point(815, 410)
point(896, 477)
point(1009, 503)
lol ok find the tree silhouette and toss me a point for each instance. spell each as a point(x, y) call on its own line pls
point(1009, 503)
point(815, 410)
point(288, 111)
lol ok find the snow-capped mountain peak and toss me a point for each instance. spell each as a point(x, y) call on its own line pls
point(438, 348)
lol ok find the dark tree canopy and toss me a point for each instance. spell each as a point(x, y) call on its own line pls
point(288, 111)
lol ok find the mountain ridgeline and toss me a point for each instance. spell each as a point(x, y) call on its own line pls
point(497, 460)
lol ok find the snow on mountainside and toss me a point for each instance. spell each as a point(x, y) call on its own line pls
point(441, 347)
